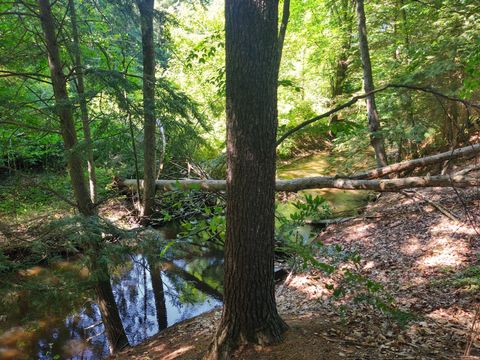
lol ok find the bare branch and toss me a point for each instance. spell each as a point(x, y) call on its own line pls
point(353, 100)
point(465, 152)
point(33, 76)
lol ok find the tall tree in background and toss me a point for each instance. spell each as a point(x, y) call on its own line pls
point(146, 17)
point(92, 179)
point(376, 138)
point(250, 313)
point(103, 288)
point(64, 110)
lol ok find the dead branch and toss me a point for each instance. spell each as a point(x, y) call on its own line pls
point(465, 152)
point(437, 206)
point(353, 100)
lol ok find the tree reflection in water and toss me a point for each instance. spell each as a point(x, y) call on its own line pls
point(149, 296)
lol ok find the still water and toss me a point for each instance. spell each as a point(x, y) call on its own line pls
point(342, 202)
point(50, 312)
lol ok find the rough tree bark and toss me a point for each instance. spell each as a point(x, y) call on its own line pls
point(64, 110)
point(146, 14)
point(103, 289)
point(376, 139)
point(92, 179)
point(249, 313)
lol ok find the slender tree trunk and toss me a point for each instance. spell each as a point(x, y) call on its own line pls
point(83, 103)
point(64, 110)
point(283, 30)
point(158, 293)
point(250, 313)
point(117, 339)
point(376, 139)
point(146, 15)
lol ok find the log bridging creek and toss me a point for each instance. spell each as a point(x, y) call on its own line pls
point(464, 153)
point(324, 182)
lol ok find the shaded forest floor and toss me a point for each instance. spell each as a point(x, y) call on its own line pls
point(426, 258)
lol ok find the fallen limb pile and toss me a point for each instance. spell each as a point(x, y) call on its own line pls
point(325, 182)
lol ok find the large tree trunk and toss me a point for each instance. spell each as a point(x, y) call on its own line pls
point(376, 138)
point(250, 313)
point(92, 179)
point(146, 14)
point(64, 110)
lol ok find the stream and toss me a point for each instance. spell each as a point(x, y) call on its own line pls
point(50, 312)
point(342, 202)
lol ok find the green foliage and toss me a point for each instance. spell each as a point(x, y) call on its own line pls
point(468, 279)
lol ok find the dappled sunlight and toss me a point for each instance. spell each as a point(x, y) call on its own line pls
point(358, 231)
point(178, 352)
point(447, 256)
point(411, 246)
point(311, 286)
point(448, 245)
point(458, 319)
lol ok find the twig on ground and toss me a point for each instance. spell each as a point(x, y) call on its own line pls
point(437, 206)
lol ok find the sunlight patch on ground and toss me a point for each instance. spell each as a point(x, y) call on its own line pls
point(357, 232)
point(178, 352)
point(309, 286)
point(411, 246)
point(449, 246)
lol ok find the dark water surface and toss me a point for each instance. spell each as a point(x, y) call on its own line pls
point(51, 313)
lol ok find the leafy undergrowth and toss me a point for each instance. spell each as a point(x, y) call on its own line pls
point(426, 260)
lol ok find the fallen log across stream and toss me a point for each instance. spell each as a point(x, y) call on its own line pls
point(361, 181)
point(466, 152)
point(324, 182)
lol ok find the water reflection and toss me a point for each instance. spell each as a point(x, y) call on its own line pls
point(149, 297)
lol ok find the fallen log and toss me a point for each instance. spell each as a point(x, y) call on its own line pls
point(324, 182)
point(465, 152)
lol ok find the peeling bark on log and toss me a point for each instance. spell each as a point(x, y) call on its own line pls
point(325, 182)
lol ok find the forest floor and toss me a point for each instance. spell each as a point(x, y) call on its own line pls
point(422, 248)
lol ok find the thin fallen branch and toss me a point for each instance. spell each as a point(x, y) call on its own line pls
point(465, 152)
point(323, 182)
point(437, 206)
point(468, 169)
point(473, 332)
